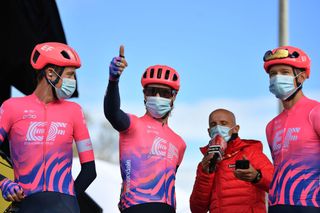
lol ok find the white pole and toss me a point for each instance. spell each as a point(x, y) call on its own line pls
point(283, 29)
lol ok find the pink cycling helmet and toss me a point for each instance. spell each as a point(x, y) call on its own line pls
point(54, 53)
point(161, 74)
point(288, 55)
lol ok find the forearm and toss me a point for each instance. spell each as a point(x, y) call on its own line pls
point(85, 177)
point(265, 181)
point(266, 168)
point(118, 119)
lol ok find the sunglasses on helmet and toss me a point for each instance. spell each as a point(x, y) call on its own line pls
point(279, 54)
point(163, 92)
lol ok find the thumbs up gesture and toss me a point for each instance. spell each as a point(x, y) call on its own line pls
point(117, 65)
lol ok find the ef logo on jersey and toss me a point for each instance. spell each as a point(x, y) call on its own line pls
point(283, 138)
point(161, 147)
point(37, 130)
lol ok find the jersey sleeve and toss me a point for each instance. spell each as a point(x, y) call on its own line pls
point(268, 134)
point(314, 118)
point(5, 121)
point(81, 137)
point(181, 152)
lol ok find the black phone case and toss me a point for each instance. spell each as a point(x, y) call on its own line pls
point(242, 164)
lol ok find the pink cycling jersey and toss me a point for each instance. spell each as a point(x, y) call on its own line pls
point(150, 153)
point(40, 138)
point(294, 141)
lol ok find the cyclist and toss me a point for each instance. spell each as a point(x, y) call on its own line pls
point(293, 135)
point(150, 152)
point(41, 129)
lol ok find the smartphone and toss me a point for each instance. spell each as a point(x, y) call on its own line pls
point(242, 164)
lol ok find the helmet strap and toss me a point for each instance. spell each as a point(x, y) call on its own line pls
point(53, 83)
point(299, 86)
point(59, 74)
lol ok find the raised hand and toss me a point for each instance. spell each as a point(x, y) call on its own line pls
point(117, 65)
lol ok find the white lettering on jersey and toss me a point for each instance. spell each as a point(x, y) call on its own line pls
point(128, 175)
point(291, 136)
point(29, 114)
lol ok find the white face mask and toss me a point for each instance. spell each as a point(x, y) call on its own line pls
point(158, 106)
point(282, 86)
point(223, 131)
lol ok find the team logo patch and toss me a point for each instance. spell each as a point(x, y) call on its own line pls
point(161, 147)
point(37, 130)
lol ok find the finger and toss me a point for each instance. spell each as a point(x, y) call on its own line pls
point(118, 64)
point(20, 194)
point(236, 174)
point(124, 61)
point(115, 68)
point(121, 64)
point(121, 51)
point(243, 171)
point(8, 197)
point(244, 157)
point(15, 197)
point(117, 59)
point(209, 156)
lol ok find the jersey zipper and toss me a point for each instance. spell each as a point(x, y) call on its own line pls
point(166, 173)
point(44, 148)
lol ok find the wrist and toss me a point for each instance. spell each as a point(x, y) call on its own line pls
point(112, 78)
point(258, 177)
point(2, 182)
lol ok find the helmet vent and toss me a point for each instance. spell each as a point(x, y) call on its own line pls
point(151, 73)
point(35, 56)
point(65, 54)
point(159, 73)
point(145, 74)
point(167, 74)
point(295, 54)
point(175, 77)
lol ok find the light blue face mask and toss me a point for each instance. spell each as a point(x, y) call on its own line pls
point(158, 106)
point(282, 86)
point(223, 131)
point(67, 88)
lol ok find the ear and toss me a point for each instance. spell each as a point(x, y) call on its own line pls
point(302, 77)
point(209, 132)
point(49, 73)
point(173, 99)
point(236, 129)
point(144, 96)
